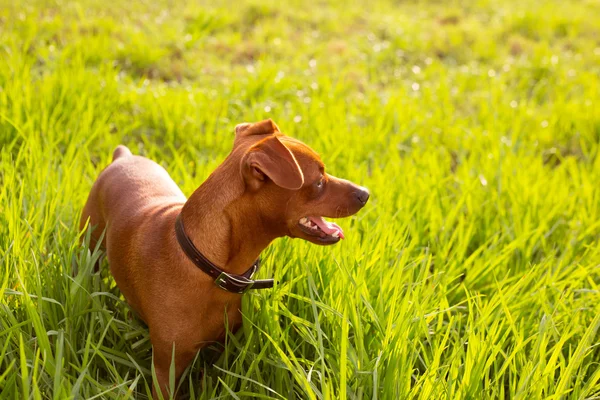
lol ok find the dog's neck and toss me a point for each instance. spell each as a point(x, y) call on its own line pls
point(223, 224)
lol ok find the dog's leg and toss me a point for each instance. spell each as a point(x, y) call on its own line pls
point(163, 356)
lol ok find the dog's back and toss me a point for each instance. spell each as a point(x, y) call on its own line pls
point(131, 183)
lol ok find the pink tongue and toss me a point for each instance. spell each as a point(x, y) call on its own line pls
point(327, 227)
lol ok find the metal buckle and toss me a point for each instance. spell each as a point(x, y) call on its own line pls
point(242, 285)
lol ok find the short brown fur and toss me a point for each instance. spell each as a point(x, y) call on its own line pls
point(266, 184)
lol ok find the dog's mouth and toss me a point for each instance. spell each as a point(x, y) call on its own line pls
point(322, 230)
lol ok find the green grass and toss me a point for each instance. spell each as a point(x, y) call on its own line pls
point(474, 270)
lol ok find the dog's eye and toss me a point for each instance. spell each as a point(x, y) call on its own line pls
point(320, 184)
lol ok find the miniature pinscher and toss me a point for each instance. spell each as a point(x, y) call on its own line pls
point(183, 264)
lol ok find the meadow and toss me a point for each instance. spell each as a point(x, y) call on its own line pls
point(472, 273)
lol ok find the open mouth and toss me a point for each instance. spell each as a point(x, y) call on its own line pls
point(320, 228)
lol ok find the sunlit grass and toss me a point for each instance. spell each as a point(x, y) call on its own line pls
point(472, 273)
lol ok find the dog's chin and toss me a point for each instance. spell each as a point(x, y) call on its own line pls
point(323, 241)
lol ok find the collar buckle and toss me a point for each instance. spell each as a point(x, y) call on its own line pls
point(234, 284)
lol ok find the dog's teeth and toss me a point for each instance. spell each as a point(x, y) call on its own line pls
point(308, 223)
point(335, 234)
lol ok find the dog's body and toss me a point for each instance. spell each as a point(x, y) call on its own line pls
point(265, 189)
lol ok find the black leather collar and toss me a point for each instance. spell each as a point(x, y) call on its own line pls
point(226, 281)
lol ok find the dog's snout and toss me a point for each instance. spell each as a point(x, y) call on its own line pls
point(362, 195)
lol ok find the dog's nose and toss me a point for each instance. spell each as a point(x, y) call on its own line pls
point(362, 195)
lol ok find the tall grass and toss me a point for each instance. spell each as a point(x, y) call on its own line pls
point(472, 273)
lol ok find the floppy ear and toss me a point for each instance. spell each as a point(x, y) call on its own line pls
point(258, 128)
point(269, 158)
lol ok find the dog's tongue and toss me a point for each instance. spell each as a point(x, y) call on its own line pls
point(328, 227)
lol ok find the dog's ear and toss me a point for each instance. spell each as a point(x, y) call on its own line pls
point(270, 159)
point(265, 127)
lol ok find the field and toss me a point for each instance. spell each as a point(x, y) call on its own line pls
point(474, 270)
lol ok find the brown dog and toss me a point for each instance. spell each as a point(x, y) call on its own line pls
point(269, 186)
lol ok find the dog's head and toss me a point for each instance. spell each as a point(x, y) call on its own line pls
point(287, 182)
